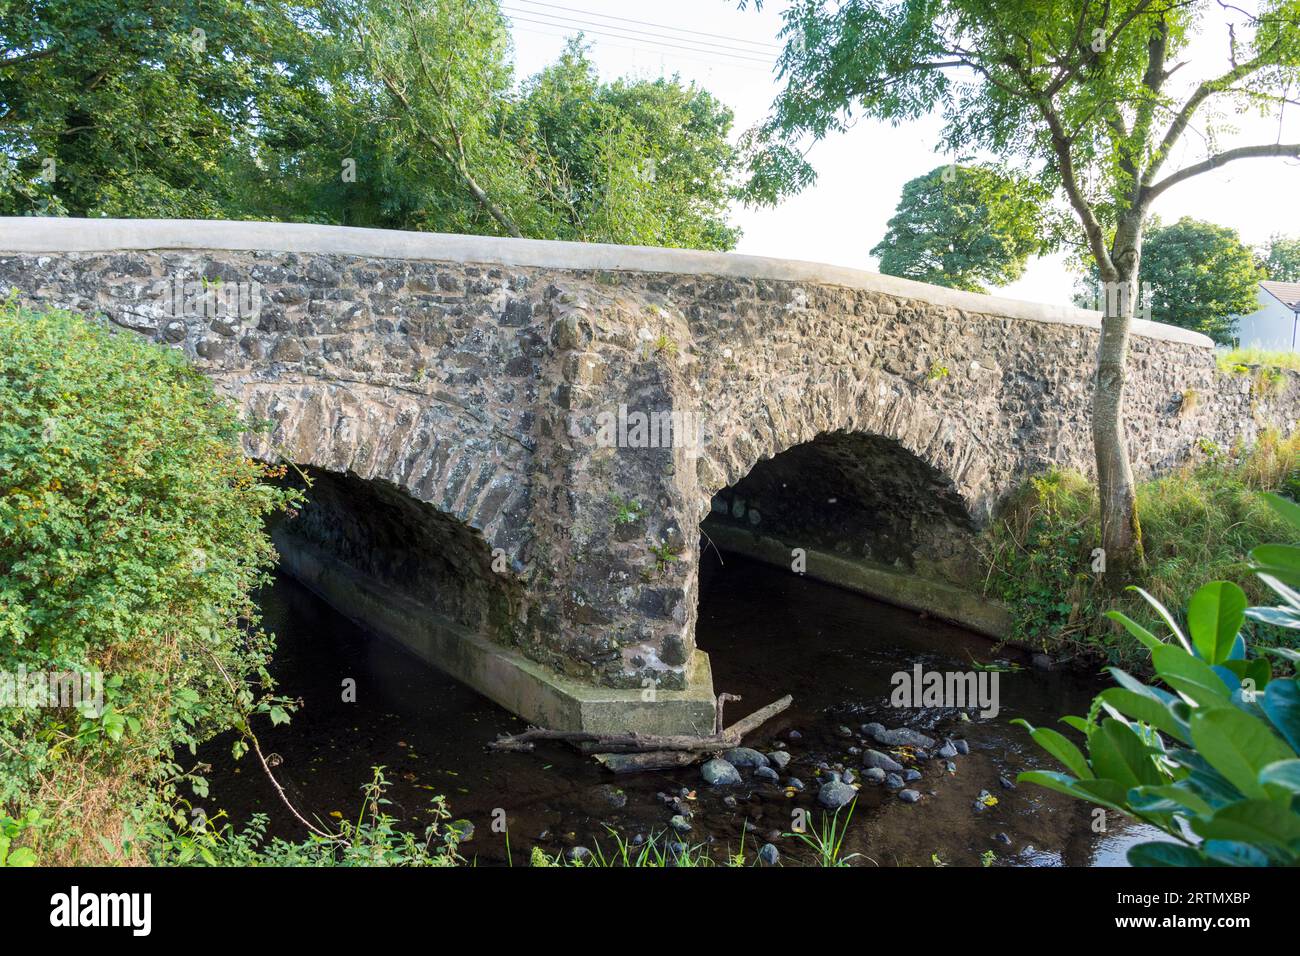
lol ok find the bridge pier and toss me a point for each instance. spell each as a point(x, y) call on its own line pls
point(516, 441)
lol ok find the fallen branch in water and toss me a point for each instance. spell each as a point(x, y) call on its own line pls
point(625, 753)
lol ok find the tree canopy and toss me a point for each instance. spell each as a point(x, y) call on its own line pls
point(1280, 259)
point(964, 227)
point(387, 113)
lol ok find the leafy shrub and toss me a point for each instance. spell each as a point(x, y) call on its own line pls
point(1213, 759)
point(374, 839)
point(131, 539)
point(1197, 522)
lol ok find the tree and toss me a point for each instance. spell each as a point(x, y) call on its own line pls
point(1280, 259)
point(134, 109)
point(1086, 91)
point(963, 227)
point(385, 113)
point(633, 161)
point(1196, 275)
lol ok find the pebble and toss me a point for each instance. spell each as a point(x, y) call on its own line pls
point(1006, 783)
point(844, 731)
point(835, 794)
point(719, 772)
point(874, 775)
point(909, 796)
point(874, 758)
point(950, 767)
point(729, 801)
point(744, 757)
point(780, 759)
point(794, 735)
point(902, 737)
point(848, 776)
point(768, 855)
point(680, 824)
point(766, 773)
point(577, 854)
point(1003, 838)
point(962, 746)
point(894, 782)
point(794, 783)
point(948, 750)
point(912, 775)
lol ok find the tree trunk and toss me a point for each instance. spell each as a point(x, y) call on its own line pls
point(1121, 538)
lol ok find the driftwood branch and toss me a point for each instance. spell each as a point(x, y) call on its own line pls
point(626, 753)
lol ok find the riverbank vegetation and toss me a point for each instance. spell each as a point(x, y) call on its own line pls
point(1212, 761)
point(131, 541)
point(1197, 522)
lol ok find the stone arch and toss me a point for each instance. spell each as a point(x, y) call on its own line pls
point(444, 458)
point(882, 405)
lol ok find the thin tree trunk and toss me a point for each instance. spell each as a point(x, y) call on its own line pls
point(1121, 537)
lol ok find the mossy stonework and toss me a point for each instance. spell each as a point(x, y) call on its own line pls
point(470, 407)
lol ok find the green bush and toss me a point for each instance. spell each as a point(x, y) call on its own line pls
point(1212, 760)
point(131, 539)
point(1196, 523)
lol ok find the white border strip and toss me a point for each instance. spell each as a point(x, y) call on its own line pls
point(34, 235)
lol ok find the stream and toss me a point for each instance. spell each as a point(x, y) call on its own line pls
point(768, 633)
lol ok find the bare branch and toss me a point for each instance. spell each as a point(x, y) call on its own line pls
point(1149, 193)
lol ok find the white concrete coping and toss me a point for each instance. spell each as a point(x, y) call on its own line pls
point(35, 235)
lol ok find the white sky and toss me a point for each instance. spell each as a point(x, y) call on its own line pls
point(861, 173)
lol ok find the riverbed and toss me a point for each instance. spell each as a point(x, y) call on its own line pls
point(768, 632)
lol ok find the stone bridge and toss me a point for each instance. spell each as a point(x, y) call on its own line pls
point(512, 444)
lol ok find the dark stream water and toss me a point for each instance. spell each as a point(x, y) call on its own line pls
point(768, 633)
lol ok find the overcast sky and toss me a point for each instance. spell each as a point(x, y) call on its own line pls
point(861, 173)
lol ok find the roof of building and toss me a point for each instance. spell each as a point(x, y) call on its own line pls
point(1288, 293)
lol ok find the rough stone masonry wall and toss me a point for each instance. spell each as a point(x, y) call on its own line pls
point(477, 390)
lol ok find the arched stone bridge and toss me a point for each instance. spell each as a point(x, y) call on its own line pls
point(514, 442)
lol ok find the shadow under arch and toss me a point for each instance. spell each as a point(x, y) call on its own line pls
point(861, 511)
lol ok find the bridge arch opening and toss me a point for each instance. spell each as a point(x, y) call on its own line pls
point(854, 496)
point(397, 566)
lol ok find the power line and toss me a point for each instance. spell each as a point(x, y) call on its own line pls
point(646, 49)
point(768, 46)
point(641, 40)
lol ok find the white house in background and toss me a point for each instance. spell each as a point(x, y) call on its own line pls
point(1276, 325)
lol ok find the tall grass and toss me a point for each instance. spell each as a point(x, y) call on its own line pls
point(1197, 525)
point(1239, 359)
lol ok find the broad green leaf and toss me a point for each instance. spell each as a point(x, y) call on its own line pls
point(1257, 822)
point(1163, 854)
point(1149, 640)
point(1285, 508)
point(1280, 561)
point(1191, 677)
point(1167, 799)
point(1119, 754)
point(1052, 780)
point(1168, 618)
point(1059, 747)
point(1281, 703)
point(1214, 616)
point(1283, 773)
point(1276, 616)
point(1233, 853)
point(1237, 746)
